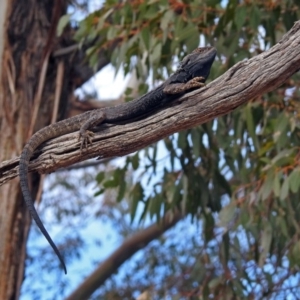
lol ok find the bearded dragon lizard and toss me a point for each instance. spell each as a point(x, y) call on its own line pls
point(191, 74)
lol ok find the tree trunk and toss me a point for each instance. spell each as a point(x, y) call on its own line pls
point(27, 82)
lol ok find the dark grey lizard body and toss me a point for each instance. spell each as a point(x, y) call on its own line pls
point(192, 73)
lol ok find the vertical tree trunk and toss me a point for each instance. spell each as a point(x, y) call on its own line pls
point(27, 39)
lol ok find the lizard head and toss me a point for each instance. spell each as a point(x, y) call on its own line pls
point(196, 64)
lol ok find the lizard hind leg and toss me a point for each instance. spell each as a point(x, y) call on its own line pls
point(85, 135)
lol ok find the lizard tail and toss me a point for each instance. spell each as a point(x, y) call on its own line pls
point(23, 171)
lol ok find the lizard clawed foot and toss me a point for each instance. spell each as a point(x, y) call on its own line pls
point(86, 138)
point(197, 81)
point(177, 88)
point(199, 78)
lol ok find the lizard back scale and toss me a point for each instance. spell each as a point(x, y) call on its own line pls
point(191, 73)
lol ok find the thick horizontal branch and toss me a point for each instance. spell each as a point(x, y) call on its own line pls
point(243, 82)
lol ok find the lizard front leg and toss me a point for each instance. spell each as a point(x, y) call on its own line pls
point(178, 88)
point(97, 117)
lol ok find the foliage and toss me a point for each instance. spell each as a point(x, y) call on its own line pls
point(238, 176)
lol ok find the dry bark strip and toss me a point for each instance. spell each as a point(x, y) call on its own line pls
point(243, 82)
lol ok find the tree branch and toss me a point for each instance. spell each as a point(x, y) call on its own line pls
point(131, 245)
point(243, 82)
